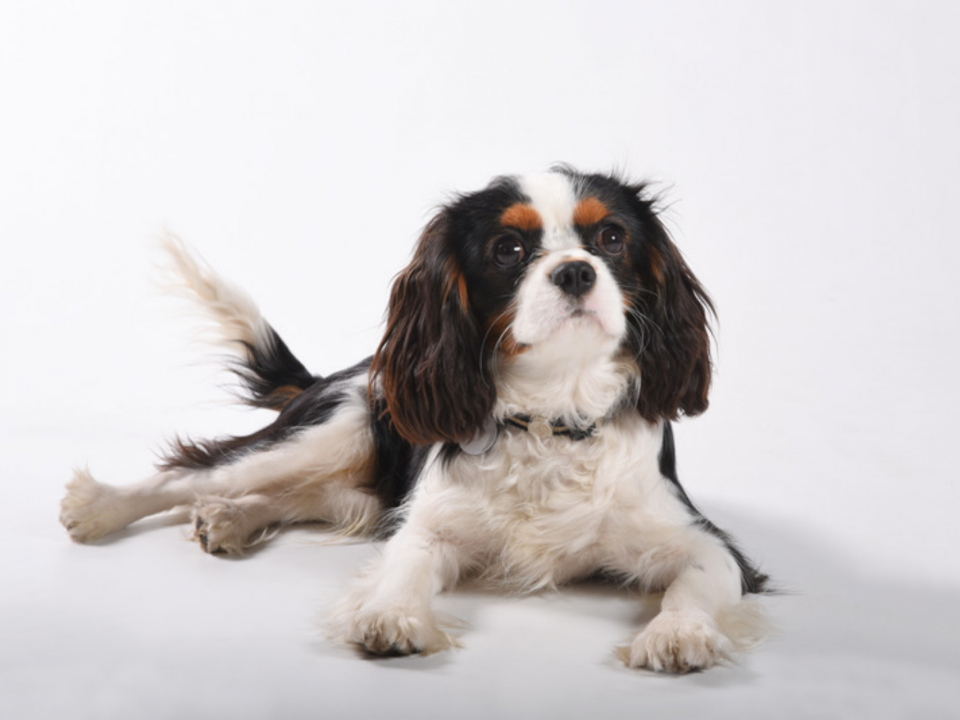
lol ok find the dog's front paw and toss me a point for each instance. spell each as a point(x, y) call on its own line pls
point(91, 510)
point(397, 632)
point(678, 642)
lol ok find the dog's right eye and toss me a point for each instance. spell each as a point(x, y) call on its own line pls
point(508, 252)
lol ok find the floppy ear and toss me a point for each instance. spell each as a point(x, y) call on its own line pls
point(674, 351)
point(429, 363)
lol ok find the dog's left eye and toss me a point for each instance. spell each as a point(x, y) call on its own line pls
point(508, 252)
point(612, 240)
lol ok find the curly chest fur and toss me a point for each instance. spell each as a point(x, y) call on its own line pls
point(550, 511)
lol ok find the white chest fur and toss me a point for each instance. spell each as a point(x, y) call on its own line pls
point(532, 513)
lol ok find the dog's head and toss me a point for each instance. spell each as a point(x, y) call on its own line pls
point(547, 274)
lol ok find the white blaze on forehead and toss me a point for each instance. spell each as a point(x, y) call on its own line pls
point(552, 196)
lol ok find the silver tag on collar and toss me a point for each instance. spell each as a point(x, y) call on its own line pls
point(483, 440)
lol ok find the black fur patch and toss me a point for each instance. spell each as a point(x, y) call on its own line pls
point(313, 406)
point(399, 463)
point(751, 579)
point(271, 374)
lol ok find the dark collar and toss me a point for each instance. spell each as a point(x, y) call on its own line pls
point(543, 428)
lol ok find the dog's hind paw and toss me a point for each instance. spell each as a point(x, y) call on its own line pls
point(91, 510)
point(221, 526)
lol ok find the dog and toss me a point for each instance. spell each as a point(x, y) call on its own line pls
point(514, 424)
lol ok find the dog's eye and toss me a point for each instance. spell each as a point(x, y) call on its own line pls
point(508, 252)
point(612, 240)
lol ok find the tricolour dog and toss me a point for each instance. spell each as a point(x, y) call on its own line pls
point(514, 424)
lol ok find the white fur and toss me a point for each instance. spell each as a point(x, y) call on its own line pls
point(552, 196)
point(237, 318)
point(533, 514)
point(543, 310)
point(579, 386)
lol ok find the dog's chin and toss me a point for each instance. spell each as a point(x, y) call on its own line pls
point(579, 323)
point(578, 333)
point(583, 325)
point(586, 317)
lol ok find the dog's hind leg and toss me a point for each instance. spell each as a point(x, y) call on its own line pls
point(312, 463)
point(319, 473)
point(92, 510)
point(229, 526)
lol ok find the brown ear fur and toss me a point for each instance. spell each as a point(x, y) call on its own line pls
point(675, 367)
point(428, 365)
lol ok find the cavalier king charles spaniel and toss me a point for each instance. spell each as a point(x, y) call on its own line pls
point(514, 424)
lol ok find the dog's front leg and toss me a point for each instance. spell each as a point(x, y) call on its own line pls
point(389, 612)
point(685, 635)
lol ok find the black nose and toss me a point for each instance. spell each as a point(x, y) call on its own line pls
point(574, 278)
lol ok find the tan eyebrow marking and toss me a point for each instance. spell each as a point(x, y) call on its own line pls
point(522, 216)
point(589, 211)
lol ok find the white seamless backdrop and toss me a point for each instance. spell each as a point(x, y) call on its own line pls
point(807, 155)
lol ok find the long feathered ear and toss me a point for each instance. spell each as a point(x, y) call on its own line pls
point(428, 369)
point(674, 354)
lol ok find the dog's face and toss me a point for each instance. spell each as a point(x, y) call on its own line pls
point(562, 254)
point(537, 270)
